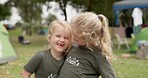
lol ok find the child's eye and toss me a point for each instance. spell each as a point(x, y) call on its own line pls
point(66, 37)
point(57, 35)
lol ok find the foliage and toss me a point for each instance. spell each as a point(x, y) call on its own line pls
point(30, 10)
point(145, 15)
point(98, 6)
point(62, 4)
point(50, 18)
point(4, 11)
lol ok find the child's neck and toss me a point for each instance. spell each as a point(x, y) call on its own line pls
point(57, 55)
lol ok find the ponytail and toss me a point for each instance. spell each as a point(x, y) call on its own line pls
point(105, 38)
point(94, 30)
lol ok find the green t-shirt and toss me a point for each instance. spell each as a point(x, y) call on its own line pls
point(83, 63)
point(44, 65)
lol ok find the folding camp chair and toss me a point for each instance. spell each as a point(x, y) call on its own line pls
point(122, 41)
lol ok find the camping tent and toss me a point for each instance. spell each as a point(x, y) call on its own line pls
point(128, 4)
point(142, 36)
point(7, 53)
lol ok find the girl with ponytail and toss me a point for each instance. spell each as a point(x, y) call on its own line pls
point(91, 57)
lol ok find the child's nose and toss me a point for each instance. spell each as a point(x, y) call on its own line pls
point(62, 39)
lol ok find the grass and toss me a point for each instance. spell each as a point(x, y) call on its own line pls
point(125, 67)
point(130, 67)
point(25, 52)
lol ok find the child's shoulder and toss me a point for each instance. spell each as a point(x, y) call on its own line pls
point(42, 52)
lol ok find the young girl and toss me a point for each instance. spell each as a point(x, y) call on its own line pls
point(90, 59)
point(45, 64)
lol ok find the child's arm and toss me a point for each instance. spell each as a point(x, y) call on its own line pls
point(26, 74)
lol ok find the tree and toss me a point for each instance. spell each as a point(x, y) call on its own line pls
point(97, 6)
point(62, 6)
point(30, 10)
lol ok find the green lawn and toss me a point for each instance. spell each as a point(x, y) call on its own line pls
point(124, 67)
point(129, 67)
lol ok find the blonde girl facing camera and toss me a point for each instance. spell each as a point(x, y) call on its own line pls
point(46, 64)
point(90, 58)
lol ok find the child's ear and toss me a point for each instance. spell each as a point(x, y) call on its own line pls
point(48, 37)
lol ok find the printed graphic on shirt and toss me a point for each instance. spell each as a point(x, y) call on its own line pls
point(73, 61)
point(52, 76)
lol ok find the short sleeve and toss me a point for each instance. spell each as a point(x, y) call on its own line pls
point(34, 63)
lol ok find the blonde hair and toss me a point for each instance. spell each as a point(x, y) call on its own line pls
point(93, 28)
point(66, 25)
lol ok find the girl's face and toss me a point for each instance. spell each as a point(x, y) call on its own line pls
point(79, 40)
point(59, 40)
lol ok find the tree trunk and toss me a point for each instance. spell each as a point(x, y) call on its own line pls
point(63, 8)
